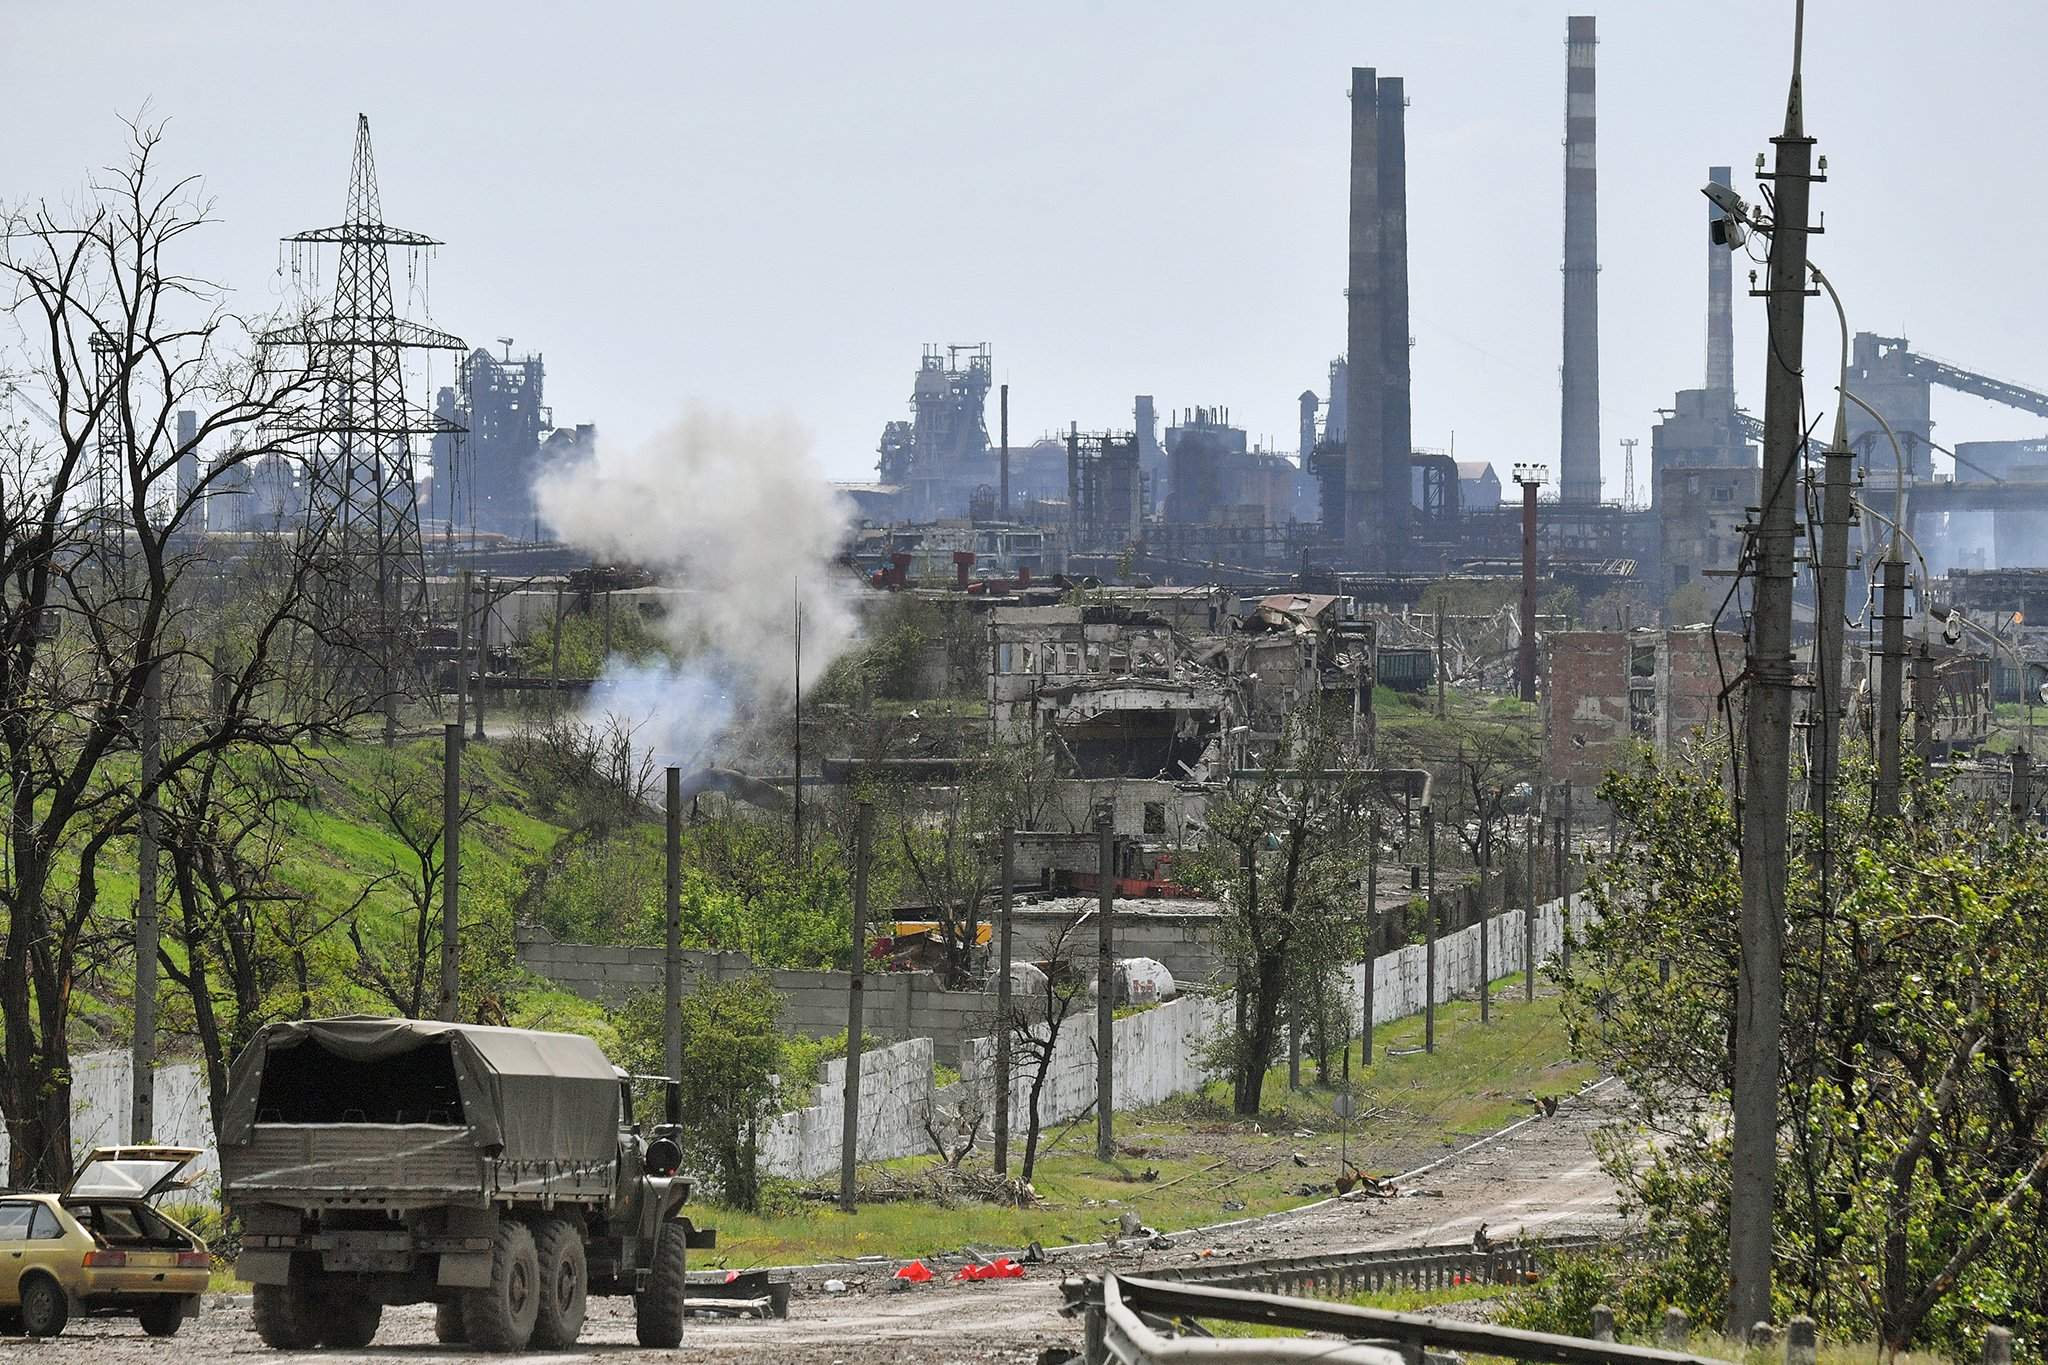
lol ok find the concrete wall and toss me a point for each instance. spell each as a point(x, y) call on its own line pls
point(1155, 1055)
point(100, 1108)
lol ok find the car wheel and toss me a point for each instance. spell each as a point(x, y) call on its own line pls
point(564, 1283)
point(348, 1323)
point(44, 1309)
point(658, 1309)
point(286, 1316)
point(162, 1317)
point(448, 1329)
point(500, 1316)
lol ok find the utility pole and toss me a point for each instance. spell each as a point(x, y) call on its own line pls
point(1890, 689)
point(672, 954)
point(1105, 982)
point(142, 1063)
point(462, 657)
point(1439, 663)
point(1831, 605)
point(849, 1130)
point(1485, 932)
point(2022, 786)
point(1372, 915)
point(796, 706)
point(1767, 722)
point(1923, 701)
point(483, 644)
point(1003, 1022)
point(1429, 931)
point(555, 655)
point(1006, 469)
point(451, 871)
point(1532, 829)
point(1530, 478)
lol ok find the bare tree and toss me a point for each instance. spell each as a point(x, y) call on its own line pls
point(102, 581)
point(407, 800)
point(1036, 1020)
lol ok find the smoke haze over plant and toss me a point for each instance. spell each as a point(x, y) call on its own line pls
point(736, 513)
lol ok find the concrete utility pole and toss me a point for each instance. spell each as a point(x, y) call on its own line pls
point(142, 1063)
point(1532, 828)
point(849, 1130)
point(1923, 701)
point(1439, 663)
point(1767, 745)
point(672, 954)
point(1003, 1030)
point(1429, 932)
point(2022, 785)
point(451, 871)
point(1485, 960)
point(1831, 593)
point(1372, 915)
point(462, 656)
point(555, 654)
point(1561, 849)
point(1890, 689)
point(483, 644)
point(1530, 478)
point(1105, 983)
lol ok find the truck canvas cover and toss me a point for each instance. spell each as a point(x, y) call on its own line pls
point(525, 1096)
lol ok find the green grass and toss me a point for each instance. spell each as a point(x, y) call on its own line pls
point(1388, 1300)
point(1201, 1158)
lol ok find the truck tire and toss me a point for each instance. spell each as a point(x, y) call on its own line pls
point(448, 1329)
point(349, 1321)
point(44, 1309)
point(500, 1316)
point(564, 1283)
point(287, 1316)
point(658, 1309)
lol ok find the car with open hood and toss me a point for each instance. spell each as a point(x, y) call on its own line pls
point(101, 1248)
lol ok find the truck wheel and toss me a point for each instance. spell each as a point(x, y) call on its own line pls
point(658, 1309)
point(564, 1283)
point(500, 1316)
point(448, 1329)
point(162, 1317)
point(287, 1316)
point(44, 1309)
point(349, 1322)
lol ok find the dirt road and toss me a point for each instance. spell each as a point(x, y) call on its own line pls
point(1540, 1178)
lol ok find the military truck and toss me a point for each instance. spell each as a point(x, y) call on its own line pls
point(496, 1173)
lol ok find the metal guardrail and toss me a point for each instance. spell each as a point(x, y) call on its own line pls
point(1129, 1320)
point(1349, 1272)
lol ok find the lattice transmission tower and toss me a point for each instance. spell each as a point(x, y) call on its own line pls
point(362, 509)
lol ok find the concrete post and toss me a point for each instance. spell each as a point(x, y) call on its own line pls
point(451, 871)
point(483, 644)
point(1802, 1342)
point(1997, 1346)
point(1603, 1322)
point(1105, 984)
point(1372, 908)
point(849, 1131)
point(1531, 829)
point(1677, 1330)
point(672, 957)
point(1003, 1030)
point(1429, 932)
point(462, 656)
point(142, 1073)
point(555, 653)
point(1890, 689)
point(2022, 785)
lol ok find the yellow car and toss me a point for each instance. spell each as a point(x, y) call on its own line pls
point(100, 1249)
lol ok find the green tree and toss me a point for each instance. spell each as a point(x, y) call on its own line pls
point(1915, 1056)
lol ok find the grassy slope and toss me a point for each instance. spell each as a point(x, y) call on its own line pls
point(1207, 1159)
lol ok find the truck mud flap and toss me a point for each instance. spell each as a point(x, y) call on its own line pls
point(698, 1239)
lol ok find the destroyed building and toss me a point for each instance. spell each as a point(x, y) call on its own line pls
point(1611, 691)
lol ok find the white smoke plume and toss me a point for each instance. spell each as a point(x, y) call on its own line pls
point(735, 513)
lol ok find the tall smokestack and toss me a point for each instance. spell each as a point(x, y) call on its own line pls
point(1309, 404)
point(1579, 431)
point(1396, 443)
point(1720, 311)
point(1363, 346)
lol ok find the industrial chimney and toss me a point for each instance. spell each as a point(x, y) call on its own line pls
point(1579, 430)
point(1396, 443)
point(1363, 347)
point(1720, 309)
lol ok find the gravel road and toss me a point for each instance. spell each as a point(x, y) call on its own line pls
point(1540, 1178)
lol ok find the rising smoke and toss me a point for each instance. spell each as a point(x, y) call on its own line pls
point(737, 515)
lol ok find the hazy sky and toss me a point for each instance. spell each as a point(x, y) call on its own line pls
point(768, 208)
